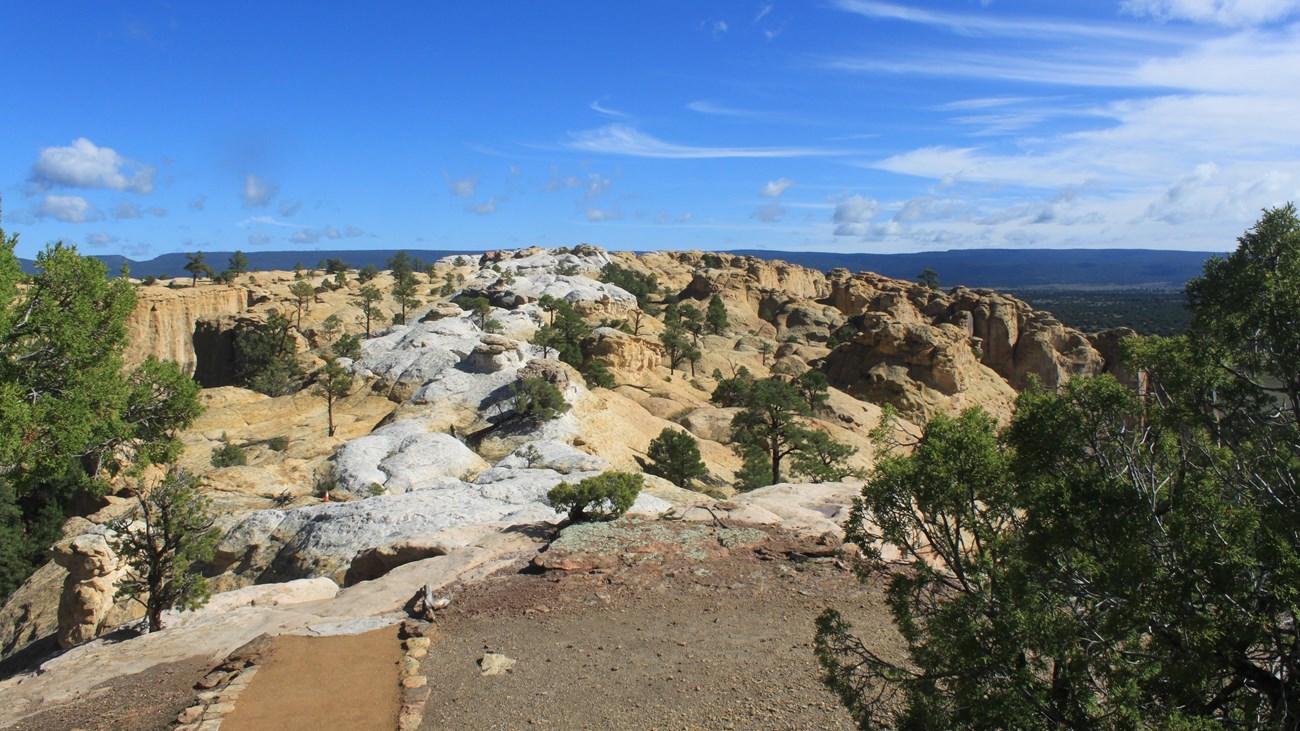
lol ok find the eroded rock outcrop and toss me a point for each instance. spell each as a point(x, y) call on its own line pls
point(94, 569)
point(163, 322)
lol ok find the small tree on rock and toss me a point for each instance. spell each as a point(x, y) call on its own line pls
point(538, 399)
point(194, 264)
point(603, 497)
point(369, 296)
point(238, 263)
point(175, 532)
point(303, 293)
point(335, 382)
point(716, 316)
point(675, 456)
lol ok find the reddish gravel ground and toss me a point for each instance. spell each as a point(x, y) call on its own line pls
point(720, 644)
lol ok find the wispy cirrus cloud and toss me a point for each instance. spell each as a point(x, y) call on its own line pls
point(984, 24)
point(1232, 13)
point(596, 106)
point(619, 139)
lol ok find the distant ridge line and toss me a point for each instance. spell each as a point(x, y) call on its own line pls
point(994, 268)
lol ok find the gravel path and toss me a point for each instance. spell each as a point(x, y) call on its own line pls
point(723, 644)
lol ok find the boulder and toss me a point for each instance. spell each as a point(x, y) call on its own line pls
point(401, 457)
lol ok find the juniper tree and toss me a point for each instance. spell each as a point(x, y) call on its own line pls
point(70, 415)
point(174, 532)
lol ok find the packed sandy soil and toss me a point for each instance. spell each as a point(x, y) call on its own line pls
point(344, 682)
point(723, 644)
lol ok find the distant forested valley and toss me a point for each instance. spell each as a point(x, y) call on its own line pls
point(1149, 312)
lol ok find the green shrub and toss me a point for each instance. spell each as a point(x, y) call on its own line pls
point(597, 375)
point(229, 455)
point(675, 456)
point(538, 399)
point(603, 497)
point(278, 444)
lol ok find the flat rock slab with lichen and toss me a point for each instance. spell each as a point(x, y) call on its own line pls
point(592, 546)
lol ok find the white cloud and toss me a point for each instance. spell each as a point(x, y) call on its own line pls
point(199, 203)
point(599, 215)
point(985, 24)
point(620, 139)
point(1218, 12)
point(596, 106)
point(269, 221)
point(770, 213)
point(775, 188)
point(288, 208)
point(1179, 203)
point(597, 184)
point(332, 233)
point(931, 208)
point(257, 238)
point(463, 188)
point(485, 208)
point(353, 232)
point(100, 240)
point(852, 215)
point(258, 192)
point(83, 164)
point(128, 209)
point(68, 209)
point(304, 237)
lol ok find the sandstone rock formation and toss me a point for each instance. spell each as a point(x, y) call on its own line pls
point(88, 591)
point(165, 320)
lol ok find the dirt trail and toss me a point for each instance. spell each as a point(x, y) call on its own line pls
point(723, 644)
point(345, 682)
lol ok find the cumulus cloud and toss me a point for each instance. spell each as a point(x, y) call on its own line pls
point(1232, 13)
point(1179, 203)
point(128, 209)
point(853, 215)
point(257, 238)
point(599, 215)
point(352, 232)
point(288, 208)
point(83, 164)
point(775, 188)
point(485, 208)
point(100, 240)
point(304, 237)
point(258, 192)
point(463, 188)
point(770, 213)
point(597, 184)
point(68, 209)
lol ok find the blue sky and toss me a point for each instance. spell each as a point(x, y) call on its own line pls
point(142, 127)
